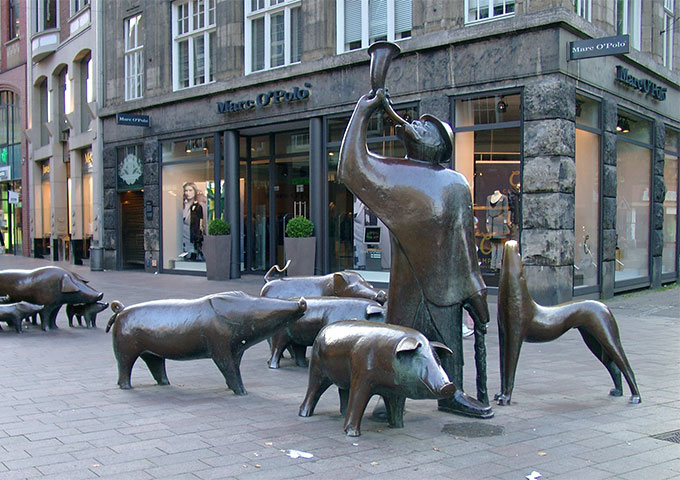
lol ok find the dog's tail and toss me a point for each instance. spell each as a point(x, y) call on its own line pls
point(117, 307)
point(267, 276)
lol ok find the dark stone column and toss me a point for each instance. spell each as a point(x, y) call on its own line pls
point(659, 193)
point(152, 228)
point(110, 210)
point(548, 189)
point(316, 191)
point(609, 186)
point(232, 200)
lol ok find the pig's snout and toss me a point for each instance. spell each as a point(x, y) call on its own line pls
point(380, 297)
point(302, 304)
point(448, 390)
point(100, 296)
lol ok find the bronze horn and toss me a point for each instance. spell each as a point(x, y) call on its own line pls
point(382, 54)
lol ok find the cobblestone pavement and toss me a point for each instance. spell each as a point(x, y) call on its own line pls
point(63, 416)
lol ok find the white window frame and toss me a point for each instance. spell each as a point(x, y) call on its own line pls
point(632, 20)
point(209, 27)
point(669, 20)
point(265, 9)
point(584, 9)
point(78, 5)
point(489, 4)
point(392, 35)
point(134, 65)
point(40, 16)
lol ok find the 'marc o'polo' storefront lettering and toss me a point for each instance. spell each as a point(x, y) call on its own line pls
point(642, 84)
point(265, 99)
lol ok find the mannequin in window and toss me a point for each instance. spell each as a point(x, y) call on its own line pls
point(192, 223)
point(497, 225)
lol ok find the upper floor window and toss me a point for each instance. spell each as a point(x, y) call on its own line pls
point(273, 35)
point(362, 22)
point(77, 5)
point(629, 20)
point(478, 10)
point(134, 66)
point(583, 8)
point(194, 43)
point(668, 20)
point(46, 15)
point(14, 20)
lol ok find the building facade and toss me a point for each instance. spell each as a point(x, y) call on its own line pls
point(14, 218)
point(237, 110)
point(64, 170)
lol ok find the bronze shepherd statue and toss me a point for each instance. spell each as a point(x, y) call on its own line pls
point(427, 207)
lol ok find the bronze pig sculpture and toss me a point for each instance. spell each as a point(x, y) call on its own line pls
point(88, 311)
point(365, 359)
point(48, 286)
point(14, 313)
point(339, 284)
point(321, 311)
point(220, 326)
point(521, 319)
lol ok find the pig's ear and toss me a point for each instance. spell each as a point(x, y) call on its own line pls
point(374, 310)
point(407, 344)
point(68, 285)
point(339, 282)
point(441, 349)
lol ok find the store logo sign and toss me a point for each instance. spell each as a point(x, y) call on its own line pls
point(133, 119)
point(644, 85)
point(130, 169)
point(5, 173)
point(265, 99)
point(599, 47)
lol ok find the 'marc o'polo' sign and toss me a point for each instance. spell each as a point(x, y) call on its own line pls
point(265, 99)
point(645, 85)
point(599, 47)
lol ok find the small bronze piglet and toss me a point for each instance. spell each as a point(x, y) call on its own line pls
point(365, 359)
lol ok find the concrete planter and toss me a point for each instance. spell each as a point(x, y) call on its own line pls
point(217, 253)
point(302, 253)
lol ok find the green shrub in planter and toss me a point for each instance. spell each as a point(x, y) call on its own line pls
point(219, 227)
point(299, 227)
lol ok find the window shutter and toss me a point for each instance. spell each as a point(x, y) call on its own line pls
point(403, 15)
point(378, 19)
point(352, 21)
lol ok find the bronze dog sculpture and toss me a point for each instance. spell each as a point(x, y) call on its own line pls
point(321, 311)
point(220, 326)
point(339, 284)
point(521, 319)
point(48, 286)
point(365, 359)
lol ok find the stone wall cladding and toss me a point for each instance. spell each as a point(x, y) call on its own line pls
point(609, 190)
point(549, 179)
point(658, 196)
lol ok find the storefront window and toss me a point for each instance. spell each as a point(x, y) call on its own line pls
point(487, 152)
point(670, 205)
point(633, 199)
point(188, 201)
point(87, 170)
point(42, 238)
point(587, 192)
point(357, 238)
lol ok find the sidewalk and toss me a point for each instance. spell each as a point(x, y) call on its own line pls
point(63, 416)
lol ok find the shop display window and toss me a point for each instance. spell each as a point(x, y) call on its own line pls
point(358, 239)
point(587, 193)
point(188, 201)
point(670, 205)
point(488, 139)
point(633, 200)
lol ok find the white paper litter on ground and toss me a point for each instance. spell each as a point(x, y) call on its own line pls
point(534, 475)
point(298, 454)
